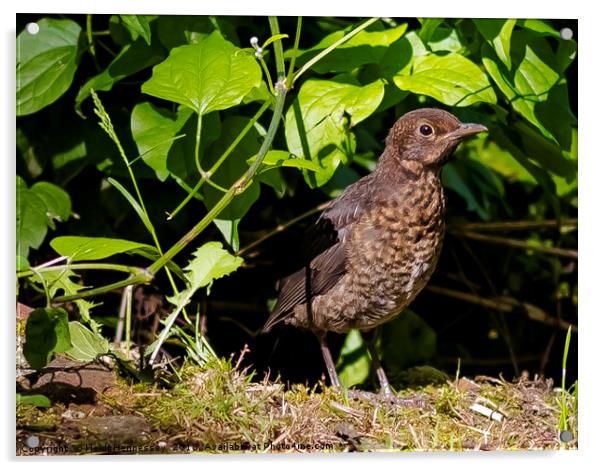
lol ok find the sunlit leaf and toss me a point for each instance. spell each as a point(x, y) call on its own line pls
point(318, 124)
point(86, 345)
point(93, 248)
point(46, 63)
point(208, 76)
point(451, 79)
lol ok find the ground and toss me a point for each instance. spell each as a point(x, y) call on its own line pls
point(220, 408)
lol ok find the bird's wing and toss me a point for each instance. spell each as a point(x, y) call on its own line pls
point(325, 250)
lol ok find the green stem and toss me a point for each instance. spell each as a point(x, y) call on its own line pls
point(278, 52)
point(220, 160)
point(76, 267)
point(89, 34)
point(333, 46)
point(197, 145)
point(268, 77)
point(291, 67)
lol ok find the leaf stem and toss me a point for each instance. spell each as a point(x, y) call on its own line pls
point(221, 159)
point(291, 66)
point(91, 48)
point(330, 48)
point(197, 144)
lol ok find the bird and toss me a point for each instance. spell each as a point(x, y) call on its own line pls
point(375, 246)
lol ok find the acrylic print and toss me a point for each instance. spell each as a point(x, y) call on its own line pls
point(295, 234)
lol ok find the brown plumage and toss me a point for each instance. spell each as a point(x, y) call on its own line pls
point(375, 247)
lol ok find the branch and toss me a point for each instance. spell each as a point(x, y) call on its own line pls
point(505, 304)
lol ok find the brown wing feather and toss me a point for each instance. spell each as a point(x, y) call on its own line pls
point(325, 248)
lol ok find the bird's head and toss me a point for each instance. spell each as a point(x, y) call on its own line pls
point(428, 135)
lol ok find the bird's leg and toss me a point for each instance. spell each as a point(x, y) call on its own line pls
point(332, 371)
point(385, 388)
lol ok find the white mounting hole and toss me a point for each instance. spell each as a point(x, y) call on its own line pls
point(32, 28)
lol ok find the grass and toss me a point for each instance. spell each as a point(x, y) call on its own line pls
point(221, 408)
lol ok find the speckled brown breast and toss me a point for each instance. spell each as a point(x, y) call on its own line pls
point(395, 248)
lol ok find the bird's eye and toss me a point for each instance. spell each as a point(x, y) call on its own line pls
point(425, 129)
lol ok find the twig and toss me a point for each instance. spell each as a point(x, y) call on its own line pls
point(281, 227)
point(562, 252)
point(513, 225)
point(505, 304)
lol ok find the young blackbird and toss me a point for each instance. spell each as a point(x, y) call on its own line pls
point(376, 245)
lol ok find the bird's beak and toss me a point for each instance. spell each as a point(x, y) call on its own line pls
point(466, 130)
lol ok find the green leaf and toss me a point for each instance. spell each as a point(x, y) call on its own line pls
point(46, 63)
point(37, 208)
point(93, 248)
point(353, 365)
point(453, 180)
point(539, 26)
point(535, 87)
point(31, 219)
point(138, 25)
point(56, 200)
point(154, 130)
point(446, 40)
point(131, 59)
point(63, 282)
point(318, 124)
point(86, 345)
point(229, 229)
point(232, 168)
point(209, 76)
point(209, 262)
point(451, 79)
point(279, 158)
point(46, 333)
point(428, 27)
point(498, 32)
point(273, 38)
point(40, 401)
point(134, 203)
point(366, 47)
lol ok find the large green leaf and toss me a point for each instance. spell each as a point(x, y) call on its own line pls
point(451, 79)
point(154, 130)
point(37, 209)
point(498, 33)
point(208, 76)
point(46, 63)
point(93, 248)
point(46, 333)
point(86, 345)
point(318, 124)
point(366, 47)
point(133, 58)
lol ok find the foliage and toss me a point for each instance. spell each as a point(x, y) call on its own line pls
point(185, 131)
